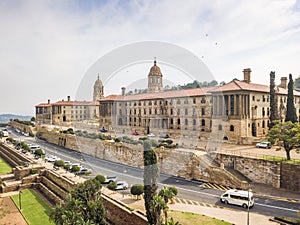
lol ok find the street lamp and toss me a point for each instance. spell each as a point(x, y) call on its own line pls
point(20, 200)
point(248, 207)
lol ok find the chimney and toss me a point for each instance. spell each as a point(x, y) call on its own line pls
point(247, 75)
point(283, 82)
point(123, 91)
point(69, 98)
point(48, 101)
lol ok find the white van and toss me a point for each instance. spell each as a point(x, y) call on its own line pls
point(238, 197)
point(5, 133)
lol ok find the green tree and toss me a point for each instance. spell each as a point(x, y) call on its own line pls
point(32, 119)
point(290, 106)
point(273, 102)
point(150, 181)
point(38, 152)
point(137, 190)
point(167, 194)
point(287, 135)
point(297, 84)
point(100, 178)
point(157, 205)
point(84, 206)
point(75, 169)
point(59, 163)
point(112, 186)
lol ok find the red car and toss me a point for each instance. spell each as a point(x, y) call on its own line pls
point(135, 133)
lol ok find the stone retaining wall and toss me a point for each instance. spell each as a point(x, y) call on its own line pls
point(119, 214)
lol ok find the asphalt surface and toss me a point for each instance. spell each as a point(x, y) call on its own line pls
point(191, 190)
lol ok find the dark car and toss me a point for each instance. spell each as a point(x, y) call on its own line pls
point(164, 136)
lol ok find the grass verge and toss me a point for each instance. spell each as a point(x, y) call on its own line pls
point(35, 210)
point(187, 218)
point(4, 167)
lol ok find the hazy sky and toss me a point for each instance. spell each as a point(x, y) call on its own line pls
point(46, 47)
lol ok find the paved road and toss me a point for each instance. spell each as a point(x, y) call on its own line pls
point(192, 190)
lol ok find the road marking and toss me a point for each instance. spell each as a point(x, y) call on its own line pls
point(277, 207)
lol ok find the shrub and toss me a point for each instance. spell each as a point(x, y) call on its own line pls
point(143, 138)
point(100, 178)
point(67, 166)
point(75, 169)
point(174, 190)
point(112, 186)
point(38, 152)
point(59, 163)
point(169, 141)
point(117, 140)
point(34, 171)
point(137, 189)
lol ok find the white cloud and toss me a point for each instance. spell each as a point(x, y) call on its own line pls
point(47, 46)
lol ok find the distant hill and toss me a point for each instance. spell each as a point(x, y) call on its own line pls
point(5, 118)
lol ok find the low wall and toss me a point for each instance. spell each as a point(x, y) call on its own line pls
point(188, 164)
point(257, 170)
point(23, 128)
point(117, 213)
point(290, 176)
point(64, 183)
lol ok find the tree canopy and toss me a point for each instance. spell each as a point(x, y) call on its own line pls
point(273, 102)
point(84, 206)
point(286, 135)
point(290, 106)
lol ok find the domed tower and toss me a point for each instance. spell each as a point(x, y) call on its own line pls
point(155, 79)
point(98, 90)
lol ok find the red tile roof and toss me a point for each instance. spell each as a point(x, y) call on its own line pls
point(158, 95)
point(43, 105)
point(236, 85)
point(70, 103)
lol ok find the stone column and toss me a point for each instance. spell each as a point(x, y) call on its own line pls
point(229, 104)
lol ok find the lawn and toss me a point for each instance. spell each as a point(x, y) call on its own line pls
point(35, 210)
point(4, 167)
point(187, 218)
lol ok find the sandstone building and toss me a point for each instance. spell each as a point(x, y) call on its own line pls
point(237, 111)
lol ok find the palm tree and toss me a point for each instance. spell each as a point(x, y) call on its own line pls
point(172, 222)
point(167, 195)
point(157, 205)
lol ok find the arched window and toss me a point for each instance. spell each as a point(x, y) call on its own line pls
point(120, 122)
point(203, 122)
point(178, 121)
point(231, 128)
point(263, 124)
point(186, 122)
point(219, 127)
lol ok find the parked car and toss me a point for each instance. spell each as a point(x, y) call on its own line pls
point(264, 144)
point(83, 171)
point(151, 135)
point(164, 136)
point(121, 185)
point(109, 179)
point(135, 133)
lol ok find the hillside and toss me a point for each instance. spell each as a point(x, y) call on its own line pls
point(4, 118)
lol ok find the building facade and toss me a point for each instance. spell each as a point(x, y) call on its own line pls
point(237, 111)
